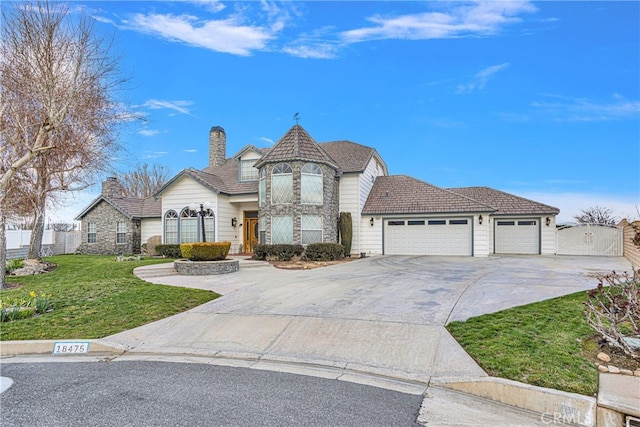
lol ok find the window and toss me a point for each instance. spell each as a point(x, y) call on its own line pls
point(262, 229)
point(92, 233)
point(458, 222)
point(188, 226)
point(311, 229)
point(415, 222)
point(247, 171)
point(311, 184)
point(121, 232)
point(262, 192)
point(281, 229)
point(282, 184)
point(506, 223)
point(171, 228)
point(526, 222)
point(396, 223)
point(437, 222)
point(209, 231)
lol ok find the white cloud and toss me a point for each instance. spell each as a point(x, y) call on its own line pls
point(191, 150)
point(153, 154)
point(148, 132)
point(221, 35)
point(179, 106)
point(586, 110)
point(481, 79)
point(211, 5)
point(267, 140)
point(462, 20)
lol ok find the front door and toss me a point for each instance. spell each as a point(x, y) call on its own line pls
point(250, 239)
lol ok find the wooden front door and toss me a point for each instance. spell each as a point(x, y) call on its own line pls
point(250, 239)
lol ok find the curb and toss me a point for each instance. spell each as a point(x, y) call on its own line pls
point(41, 347)
point(553, 405)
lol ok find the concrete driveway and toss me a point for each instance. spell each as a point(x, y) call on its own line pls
point(382, 315)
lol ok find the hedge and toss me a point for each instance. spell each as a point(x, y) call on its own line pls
point(169, 251)
point(280, 252)
point(324, 252)
point(205, 251)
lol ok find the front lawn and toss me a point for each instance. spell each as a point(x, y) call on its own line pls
point(93, 297)
point(538, 344)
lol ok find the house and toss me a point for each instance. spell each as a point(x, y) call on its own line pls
point(294, 191)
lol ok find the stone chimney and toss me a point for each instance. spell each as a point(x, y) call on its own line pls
point(217, 147)
point(111, 188)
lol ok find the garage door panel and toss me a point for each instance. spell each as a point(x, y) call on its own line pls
point(517, 236)
point(428, 236)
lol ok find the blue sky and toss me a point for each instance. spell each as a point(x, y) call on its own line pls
point(540, 99)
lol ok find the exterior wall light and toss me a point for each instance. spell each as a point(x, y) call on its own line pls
point(371, 221)
point(234, 222)
point(480, 219)
point(548, 221)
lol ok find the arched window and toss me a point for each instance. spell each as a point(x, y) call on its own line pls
point(282, 184)
point(262, 193)
point(188, 226)
point(171, 228)
point(311, 184)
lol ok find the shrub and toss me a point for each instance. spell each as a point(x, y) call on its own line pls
point(279, 252)
point(186, 250)
point(209, 251)
point(13, 264)
point(324, 252)
point(346, 231)
point(169, 251)
point(613, 310)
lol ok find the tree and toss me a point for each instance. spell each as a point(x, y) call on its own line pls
point(58, 110)
point(596, 215)
point(144, 181)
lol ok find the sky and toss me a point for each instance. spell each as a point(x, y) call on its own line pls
point(538, 99)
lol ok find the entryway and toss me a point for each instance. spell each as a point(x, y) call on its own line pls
point(590, 239)
point(250, 231)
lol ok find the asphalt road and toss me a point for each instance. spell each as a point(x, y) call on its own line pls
point(128, 393)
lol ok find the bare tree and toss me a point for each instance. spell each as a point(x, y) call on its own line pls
point(596, 215)
point(144, 180)
point(58, 111)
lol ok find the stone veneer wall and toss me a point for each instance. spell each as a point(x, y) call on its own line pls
point(328, 210)
point(106, 218)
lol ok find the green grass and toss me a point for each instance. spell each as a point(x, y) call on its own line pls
point(95, 296)
point(538, 344)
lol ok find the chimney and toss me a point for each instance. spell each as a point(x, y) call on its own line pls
point(217, 147)
point(111, 188)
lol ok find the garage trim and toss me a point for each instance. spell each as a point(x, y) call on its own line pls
point(428, 235)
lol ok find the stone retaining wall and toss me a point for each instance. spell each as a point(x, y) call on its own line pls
point(205, 268)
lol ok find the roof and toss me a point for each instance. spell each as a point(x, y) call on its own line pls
point(350, 156)
point(505, 203)
point(297, 144)
point(401, 194)
point(130, 207)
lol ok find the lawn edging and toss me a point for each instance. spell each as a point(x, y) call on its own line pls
point(552, 405)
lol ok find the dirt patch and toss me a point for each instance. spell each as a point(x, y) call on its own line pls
point(308, 265)
point(593, 345)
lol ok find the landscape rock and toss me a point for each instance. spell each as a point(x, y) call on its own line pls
point(613, 369)
point(603, 368)
point(636, 373)
point(604, 357)
point(626, 372)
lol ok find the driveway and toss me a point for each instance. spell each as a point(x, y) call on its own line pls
point(382, 315)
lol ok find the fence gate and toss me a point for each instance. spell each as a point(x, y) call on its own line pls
point(590, 239)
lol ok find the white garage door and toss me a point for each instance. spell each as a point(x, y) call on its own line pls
point(428, 236)
point(517, 236)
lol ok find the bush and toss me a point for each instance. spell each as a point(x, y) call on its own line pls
point(280, 252)
point(169, 251)
point(205, 251)
point(613, 310)
point(346, 231)
point(13, 264)
point(324, 252)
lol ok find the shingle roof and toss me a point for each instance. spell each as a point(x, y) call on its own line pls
point(350, 156)
point(505, 203)
point(297, 144)
point(129, 206)
point(401, 194)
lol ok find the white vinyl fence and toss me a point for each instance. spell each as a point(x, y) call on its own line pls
point(53, 243)
point(590, 239)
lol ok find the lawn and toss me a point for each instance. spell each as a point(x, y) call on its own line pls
point(538, 344)
point(93, 297)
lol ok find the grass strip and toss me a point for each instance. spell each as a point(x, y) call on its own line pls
point(538, 344)
point(95, 296)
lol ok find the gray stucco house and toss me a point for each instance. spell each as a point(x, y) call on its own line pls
point(294, 191)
